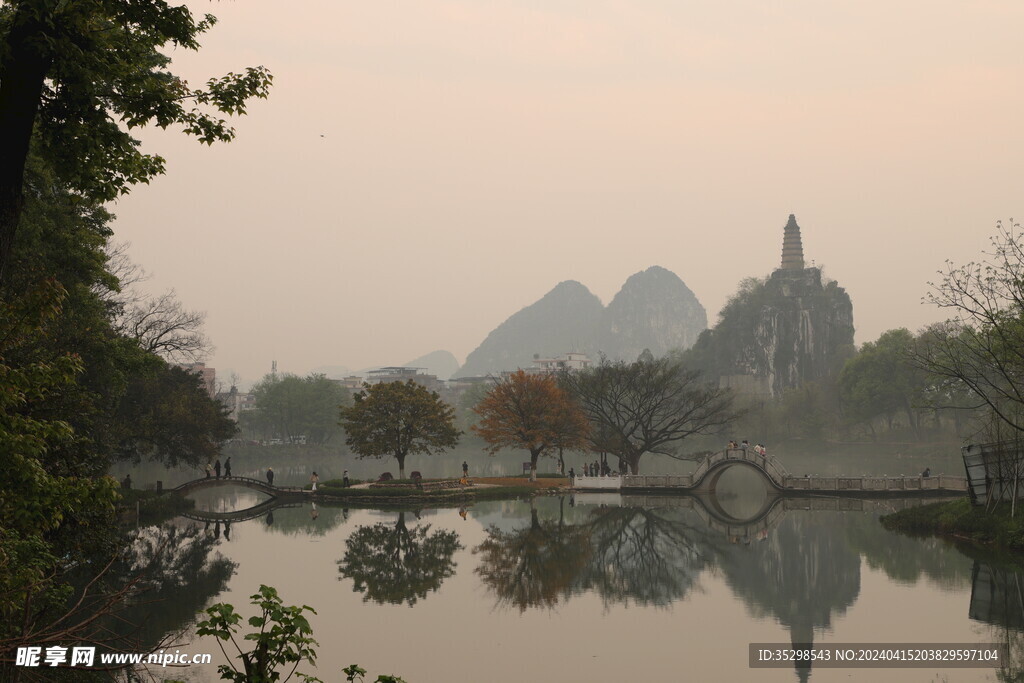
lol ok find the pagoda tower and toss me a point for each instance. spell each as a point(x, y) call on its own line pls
point(792, 249)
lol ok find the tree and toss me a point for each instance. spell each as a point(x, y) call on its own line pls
point(398, 564)
point(648, 405)
point(395, 418)
point(162, 326)
point(981, 345)
point(172, 419)
point(76, 77)
point(881, 380)
point(530, 412)
point(288, 407)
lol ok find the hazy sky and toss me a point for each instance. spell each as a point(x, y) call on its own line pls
point(422, 170)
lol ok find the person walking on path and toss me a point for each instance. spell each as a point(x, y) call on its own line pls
point(465, 469)
point(270, 476)
point(209, 470)
point(216, 467)
point(344, 479)
point(227, 467)
point(314, 479)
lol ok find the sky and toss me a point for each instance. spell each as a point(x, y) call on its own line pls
point(423, 170)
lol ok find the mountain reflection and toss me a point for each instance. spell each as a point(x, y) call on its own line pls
point(396, 564)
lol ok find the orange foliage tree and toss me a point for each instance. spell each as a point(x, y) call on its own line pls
point(530, 412)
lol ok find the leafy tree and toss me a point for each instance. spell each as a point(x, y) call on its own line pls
point(76, 77)
point(530, 412)
point(172, 419)
point(288, 406)
point(395, 418)
point(881, 380)
point(648, 406)
point(396, 564)
point(981, 345)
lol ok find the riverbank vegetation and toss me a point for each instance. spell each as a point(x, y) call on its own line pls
point(959, 519)
point(85, 356)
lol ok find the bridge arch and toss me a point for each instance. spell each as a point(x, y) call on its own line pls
point(706, 476)
point(244, 482)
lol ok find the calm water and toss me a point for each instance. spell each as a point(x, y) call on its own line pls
point(596, 588)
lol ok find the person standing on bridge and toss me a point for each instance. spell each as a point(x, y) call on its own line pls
point(270, 478)
point(209, 470)
point(227, 468)
point(216, 467)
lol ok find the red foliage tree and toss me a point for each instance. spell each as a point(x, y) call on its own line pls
point(530, 412)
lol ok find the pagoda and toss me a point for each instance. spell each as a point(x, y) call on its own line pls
point(792, 248)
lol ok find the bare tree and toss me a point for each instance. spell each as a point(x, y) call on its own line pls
point(160, 324)
point(981, 345)
point(648, 406)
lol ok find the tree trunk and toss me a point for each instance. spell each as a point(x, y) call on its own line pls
point(534, 456)
point(24, 68)
point(401, 465)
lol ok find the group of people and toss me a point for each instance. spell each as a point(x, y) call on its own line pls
point(744, 445)
point(592, 469)
point(215, 468)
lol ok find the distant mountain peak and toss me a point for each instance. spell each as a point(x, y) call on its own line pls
point(654, 309)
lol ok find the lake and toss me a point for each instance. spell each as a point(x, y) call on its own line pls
point(596, 587)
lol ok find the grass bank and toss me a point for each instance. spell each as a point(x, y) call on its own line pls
point(959, 519)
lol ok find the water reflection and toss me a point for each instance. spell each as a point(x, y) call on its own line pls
point(647, 556)
point(180, 574)
point(791, 570)
point(535, 565)
point(396, 564)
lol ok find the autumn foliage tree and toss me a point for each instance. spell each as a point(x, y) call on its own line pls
point(396, 418)
point(530, 412)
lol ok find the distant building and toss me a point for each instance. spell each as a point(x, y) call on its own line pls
point(236, 402)
point(567, 361)
point(352, 382)
point(208, 375)
point(403, 374)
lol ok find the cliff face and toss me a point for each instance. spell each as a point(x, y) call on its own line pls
point(779, 333)
point(563, 320)
point(654, 310)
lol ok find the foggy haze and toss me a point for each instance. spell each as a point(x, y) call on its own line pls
point(422, 171)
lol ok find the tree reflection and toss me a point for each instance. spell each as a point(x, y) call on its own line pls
point(180, 573)
point(648, 556)
point(535, 565)
point(396, 564)
point(907, 559)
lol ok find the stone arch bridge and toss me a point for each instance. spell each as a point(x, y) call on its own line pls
point(704, 479)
